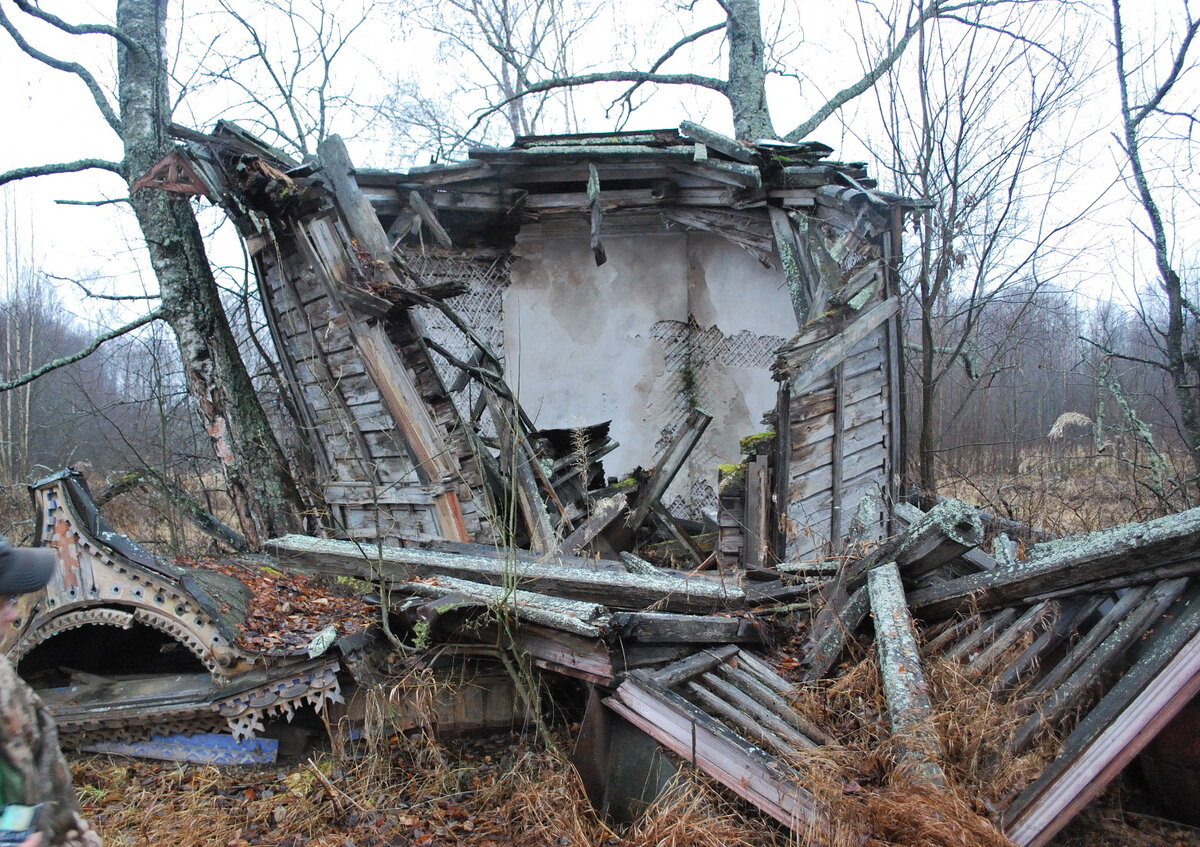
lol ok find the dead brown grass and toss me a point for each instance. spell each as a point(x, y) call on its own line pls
point(857, 780)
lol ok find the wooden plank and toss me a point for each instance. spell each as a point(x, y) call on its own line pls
point(697, 738)
point(617, 590)
point(602, 514)
point(861, 327)
point(1164, 680)
point(910, 713)
point(757, 529)
point(694, 665)
point(1069, 562)
point(668, 465)
point(731, 693)
point(1100, 663)
point(664, 627)
point(799, 283)
point(721, 143)
point(837, 454)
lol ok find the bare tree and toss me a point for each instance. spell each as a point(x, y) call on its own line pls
point(748, 64)
point(1157, 121)
point(263, 491)
point(981, 240)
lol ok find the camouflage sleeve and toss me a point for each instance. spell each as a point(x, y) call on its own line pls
point(29, 742)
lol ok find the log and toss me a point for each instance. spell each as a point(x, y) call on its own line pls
point(943, 533)
point(909, 710)
point(584, 619)
point(1069, 562)
point(615, 590)
point(834, 625)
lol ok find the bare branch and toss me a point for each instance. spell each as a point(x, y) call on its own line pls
point(935, 9)
point(76, 29)
point(1177, 68)
point(93, 294)
point(79, 70)
point(152, 315)
point(668, 53)
point(709, 82)
point(62, 168)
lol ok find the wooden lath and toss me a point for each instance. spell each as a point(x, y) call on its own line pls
point(688, 707)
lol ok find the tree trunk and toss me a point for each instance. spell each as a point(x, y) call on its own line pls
point(264, 493)
point(747, 86)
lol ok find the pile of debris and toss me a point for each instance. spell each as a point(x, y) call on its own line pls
point(1094, 641)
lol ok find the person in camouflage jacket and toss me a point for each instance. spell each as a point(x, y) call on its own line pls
point(32, 769)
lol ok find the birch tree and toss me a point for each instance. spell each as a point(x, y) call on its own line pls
point(1157, 123)
point(265, 495)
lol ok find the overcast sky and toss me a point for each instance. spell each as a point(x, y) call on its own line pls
point(51, 118)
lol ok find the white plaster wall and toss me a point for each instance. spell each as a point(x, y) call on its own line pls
point(581, 343)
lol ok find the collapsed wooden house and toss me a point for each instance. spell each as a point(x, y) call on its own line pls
point(465, 343)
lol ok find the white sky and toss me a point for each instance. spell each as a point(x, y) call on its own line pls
point(51, 118)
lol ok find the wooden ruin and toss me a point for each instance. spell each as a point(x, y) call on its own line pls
point(478, 528)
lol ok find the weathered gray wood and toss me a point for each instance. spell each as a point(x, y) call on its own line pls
point(835, 624)
point(758, 512)
point(358, 211)
point(764, 696)
point(1035, 619)
point(758, 713)
point(597, 215)
point(1069, 562)
point(823, 360)
point(1078, 653)
point(694, 665)
point(667, 521)
point(799, 282)
point(721, 143)
point(673, 458)
point(636, 564)
point(744, 723)
point(909, 710)
point(429, 218)
point(762, 780)
point(615, 590)
point(668, 628)
point(1145, 576)
point(983, 635)
point(764, 673)
point(1162, 681)
point(1101, 663)
point(568, 615)
point(838, 457)
point(780, 469)
point(1076, 611)
point(946, 531)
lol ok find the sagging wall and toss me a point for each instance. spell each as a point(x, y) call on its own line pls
point(672, 320)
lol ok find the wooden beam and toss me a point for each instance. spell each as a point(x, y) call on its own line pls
point(823, 360)
point(1069, 562)
point(918, 750)
point(674, 593)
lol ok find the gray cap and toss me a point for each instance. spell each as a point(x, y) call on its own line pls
point(24, 569)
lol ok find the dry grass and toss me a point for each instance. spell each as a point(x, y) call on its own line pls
point(515, 796)
point(1066, 491)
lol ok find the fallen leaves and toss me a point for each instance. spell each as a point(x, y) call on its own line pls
point(287, 611)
